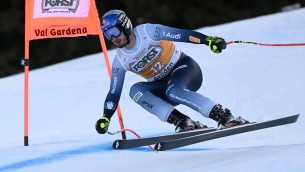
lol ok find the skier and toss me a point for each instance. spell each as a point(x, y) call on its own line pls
point(173, 77)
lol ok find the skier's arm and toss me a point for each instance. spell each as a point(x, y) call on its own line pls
point(116, 86)
point(113, 96)
point(159, 32)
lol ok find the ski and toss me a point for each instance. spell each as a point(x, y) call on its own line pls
point(172, 144)
point(132, 143)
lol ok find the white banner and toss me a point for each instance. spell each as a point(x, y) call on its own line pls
point(61, 8)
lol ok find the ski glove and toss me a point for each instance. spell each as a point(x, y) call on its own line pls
point(216, 44)
point(102, 125)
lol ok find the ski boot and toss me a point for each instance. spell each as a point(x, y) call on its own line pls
point(183, 123)
point(225, 118)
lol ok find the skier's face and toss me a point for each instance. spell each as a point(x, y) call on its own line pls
point(120, 41)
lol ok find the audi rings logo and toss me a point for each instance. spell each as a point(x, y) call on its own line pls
point(59, 6)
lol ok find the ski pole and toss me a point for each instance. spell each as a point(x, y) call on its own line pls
point(264, 44)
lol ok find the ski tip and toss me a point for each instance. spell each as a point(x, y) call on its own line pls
point(297, 116)
point(294, 118)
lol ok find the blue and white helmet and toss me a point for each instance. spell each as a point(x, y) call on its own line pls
point(116, 18)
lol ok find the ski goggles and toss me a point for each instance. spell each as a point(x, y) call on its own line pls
point(112, 32)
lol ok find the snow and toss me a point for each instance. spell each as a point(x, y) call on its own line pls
point(256, 82)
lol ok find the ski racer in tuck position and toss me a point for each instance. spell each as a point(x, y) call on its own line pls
point(173, 77)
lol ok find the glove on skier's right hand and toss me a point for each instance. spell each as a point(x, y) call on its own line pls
point(102, 125)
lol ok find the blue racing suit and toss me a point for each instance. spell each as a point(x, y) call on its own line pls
point(172, 76)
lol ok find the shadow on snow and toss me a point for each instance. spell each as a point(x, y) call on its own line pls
point(57, 156)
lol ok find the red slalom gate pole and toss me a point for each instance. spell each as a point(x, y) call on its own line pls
point(25, 63)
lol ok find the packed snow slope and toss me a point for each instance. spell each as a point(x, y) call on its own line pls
point(259, 83)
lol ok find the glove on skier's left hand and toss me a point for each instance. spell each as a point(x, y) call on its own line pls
point(216, 44)
point(102, 125)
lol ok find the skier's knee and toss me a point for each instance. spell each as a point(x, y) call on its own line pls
point(136, 91)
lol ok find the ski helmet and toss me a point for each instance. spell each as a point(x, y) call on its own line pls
point(116, 18)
